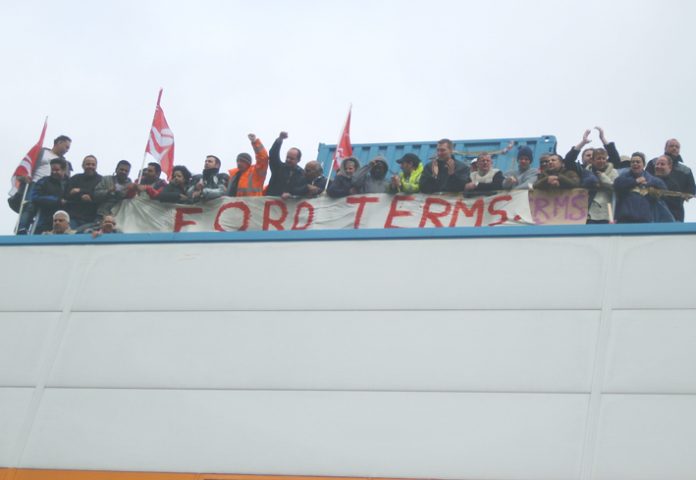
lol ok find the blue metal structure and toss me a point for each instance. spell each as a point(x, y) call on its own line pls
point(465, 150)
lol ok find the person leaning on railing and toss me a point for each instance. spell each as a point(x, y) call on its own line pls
point(634, 204)
point(176, 190)
point(407, 181)
point(524, 176)
point(600, 202)
point(485, 178)
point(663, 171)
point(444, 173)
point(555, 176)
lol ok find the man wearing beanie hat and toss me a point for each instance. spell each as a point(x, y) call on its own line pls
point(524, 176)
point(247, 180)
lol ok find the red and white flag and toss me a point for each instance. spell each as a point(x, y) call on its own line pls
point(343, 149)
point(28, 164)
point(161, 142)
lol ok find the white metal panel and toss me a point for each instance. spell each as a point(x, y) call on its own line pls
point(528, 351)
point(513, 436)
point(347, 275)
point(23, 337)
point(656, 272)
point(35, 277)
point(646, 437)
point(652, 351)
point(14, 403)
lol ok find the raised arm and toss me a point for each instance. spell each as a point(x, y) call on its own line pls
point(572, 155)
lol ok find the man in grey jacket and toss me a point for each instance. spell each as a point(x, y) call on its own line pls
point(524, 176)
point(372, 178)
point(113, 188)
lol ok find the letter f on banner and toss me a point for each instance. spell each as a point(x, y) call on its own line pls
point(161, 142)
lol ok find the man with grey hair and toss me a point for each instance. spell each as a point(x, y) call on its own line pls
point(61, 224)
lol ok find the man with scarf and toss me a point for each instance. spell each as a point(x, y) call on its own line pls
point(211, 183)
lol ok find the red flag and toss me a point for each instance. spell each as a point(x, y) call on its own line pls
point(344, 149)
point(28, 164)
point(161, 142)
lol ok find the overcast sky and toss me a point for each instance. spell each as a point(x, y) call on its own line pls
point(413, 71)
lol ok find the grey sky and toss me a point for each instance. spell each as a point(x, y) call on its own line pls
point(413, 71)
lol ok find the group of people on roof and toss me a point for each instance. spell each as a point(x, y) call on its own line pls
point(58, 203)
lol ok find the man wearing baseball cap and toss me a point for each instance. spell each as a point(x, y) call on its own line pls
point(408, 180)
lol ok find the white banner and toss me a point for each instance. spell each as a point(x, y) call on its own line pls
point(142, 214)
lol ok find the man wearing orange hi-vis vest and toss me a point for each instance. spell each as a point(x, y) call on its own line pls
point(247, 180)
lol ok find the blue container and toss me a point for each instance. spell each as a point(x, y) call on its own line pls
point(466, 150)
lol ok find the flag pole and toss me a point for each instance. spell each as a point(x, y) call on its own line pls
point(140, 172)
point(26, 184)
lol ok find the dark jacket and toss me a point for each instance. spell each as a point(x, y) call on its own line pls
point(284, 178)
point(483, 187)
point(444, 182)
point(674, 204)
point(302, 191)
point(631, 206)
point(84, 211)
point(171, 193)
point(570, 161)
point(684, 177)
point(340, 186)
point(46, 196)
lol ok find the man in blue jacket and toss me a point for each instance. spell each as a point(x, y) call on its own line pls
point(47, 195)
point(634, 204)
